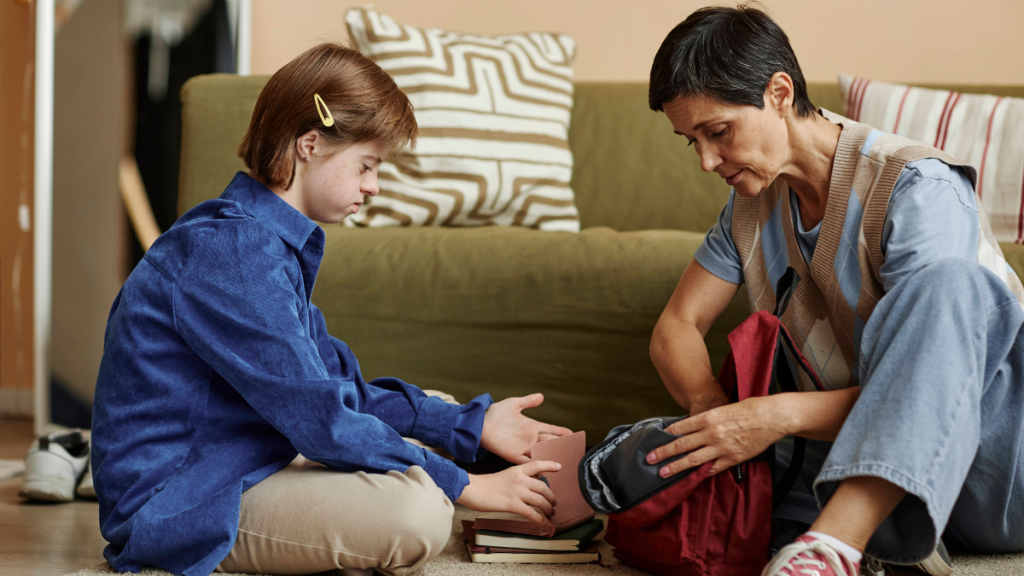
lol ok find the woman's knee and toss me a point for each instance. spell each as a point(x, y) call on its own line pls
point(938, 300)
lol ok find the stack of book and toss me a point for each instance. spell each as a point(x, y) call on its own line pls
point(569, 537)
point(572, 546)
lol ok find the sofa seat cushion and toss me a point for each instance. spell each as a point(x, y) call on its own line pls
point(512, 311)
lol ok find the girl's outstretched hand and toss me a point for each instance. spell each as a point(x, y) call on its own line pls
point(513, 490)
point(511, 435)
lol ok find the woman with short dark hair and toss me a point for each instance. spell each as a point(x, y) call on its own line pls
point(906, 309)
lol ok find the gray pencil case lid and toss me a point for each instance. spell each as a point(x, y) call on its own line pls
point(615, 476)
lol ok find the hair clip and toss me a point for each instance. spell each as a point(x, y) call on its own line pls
point(327, 120)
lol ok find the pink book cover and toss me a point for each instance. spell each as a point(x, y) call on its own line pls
point(513, 523)
point(570, 509)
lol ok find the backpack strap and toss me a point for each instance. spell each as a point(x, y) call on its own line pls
point(784, 375)
point(784, 291)
point(784, 370)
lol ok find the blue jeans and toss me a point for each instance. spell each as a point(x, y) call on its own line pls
point(941, 414)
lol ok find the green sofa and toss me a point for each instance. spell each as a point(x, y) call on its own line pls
point(512, 311)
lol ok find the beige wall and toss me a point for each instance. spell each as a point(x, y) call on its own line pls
point(89, 227)
point(918, 41)
point(16, 51)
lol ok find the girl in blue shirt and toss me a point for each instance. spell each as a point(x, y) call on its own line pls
point(218, 371)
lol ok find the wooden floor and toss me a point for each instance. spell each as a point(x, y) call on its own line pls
point(42, 539)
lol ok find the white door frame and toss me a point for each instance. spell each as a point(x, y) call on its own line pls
point(42, 236)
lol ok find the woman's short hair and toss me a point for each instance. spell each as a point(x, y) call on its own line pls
point(728, 54)
point(365, 102)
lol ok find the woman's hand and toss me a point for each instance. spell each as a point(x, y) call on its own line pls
point(727, 435)
point(513, 490)
point(511, 435)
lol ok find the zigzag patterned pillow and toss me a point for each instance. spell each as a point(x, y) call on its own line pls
point(493, 113)
point(986, 131)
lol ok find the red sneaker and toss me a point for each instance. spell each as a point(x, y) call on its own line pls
point(808, 556)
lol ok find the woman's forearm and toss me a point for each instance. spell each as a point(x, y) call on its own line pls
point(815, 415)
point(681, 358)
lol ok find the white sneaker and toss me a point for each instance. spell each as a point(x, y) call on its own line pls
point(937, 564)
point(54, 465)
point(85, 487)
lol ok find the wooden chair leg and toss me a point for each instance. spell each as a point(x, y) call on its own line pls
point(133, 193)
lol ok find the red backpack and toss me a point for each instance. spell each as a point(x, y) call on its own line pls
point(692, 524)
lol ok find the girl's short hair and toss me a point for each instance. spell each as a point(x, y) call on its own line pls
point(364, 100)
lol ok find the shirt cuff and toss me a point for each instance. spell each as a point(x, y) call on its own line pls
point(455, 427)
point(464, 441)
point(451, 479)
point(714, 264)
point(434, 421)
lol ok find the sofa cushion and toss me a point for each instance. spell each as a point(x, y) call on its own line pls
point(986, 131)
point(512, 311)
point(631, 171)
point(493, 113)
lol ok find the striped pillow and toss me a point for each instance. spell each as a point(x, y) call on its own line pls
point(493, 113)
point(985, 131)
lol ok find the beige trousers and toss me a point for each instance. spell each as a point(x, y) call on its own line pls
point(308, 518)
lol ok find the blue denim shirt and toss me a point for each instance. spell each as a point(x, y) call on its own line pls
point(218, 370)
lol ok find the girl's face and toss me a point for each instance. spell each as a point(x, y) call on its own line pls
point(331, 185)
point(744, 145)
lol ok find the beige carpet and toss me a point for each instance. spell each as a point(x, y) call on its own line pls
point(454, 561)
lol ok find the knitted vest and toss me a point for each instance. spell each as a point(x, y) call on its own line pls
point(825, 326)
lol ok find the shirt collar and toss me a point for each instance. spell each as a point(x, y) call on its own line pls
point(262, 203)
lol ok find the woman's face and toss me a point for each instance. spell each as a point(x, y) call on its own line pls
point(744, 145)
point(333, 185)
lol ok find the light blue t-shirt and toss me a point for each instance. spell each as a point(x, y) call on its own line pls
point(932, 215)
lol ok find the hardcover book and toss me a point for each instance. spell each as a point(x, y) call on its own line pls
point(573, 539)
point(571, 509)
point(495, 554)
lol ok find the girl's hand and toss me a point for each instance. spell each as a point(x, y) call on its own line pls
point(513, 490)
point(511, 435)
point(727, 435)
